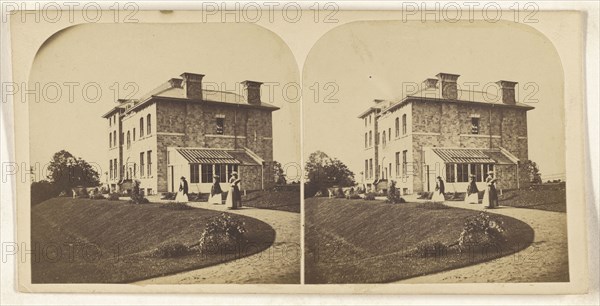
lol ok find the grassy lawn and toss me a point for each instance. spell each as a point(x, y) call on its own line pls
point(551, 197)
point(358, 241)
point(279, 200)
point(101, 241)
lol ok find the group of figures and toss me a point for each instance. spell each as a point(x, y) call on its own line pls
point(490, 196)
point(234, 197)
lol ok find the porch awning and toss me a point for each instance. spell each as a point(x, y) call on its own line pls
point(474, 156)
point(212, 156)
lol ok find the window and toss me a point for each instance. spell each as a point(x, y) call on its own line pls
point(194, 173)
point(365, 121)
point(231, 168)
point(486, 168)
point(389, 133)
point(133, 134)
point(397, 125)
point(134, 170)
point(149, 125)
point(115, 138)
point(383, 139)
point(462, 173)
point(397, 163)
point(110, 140)
point(115, 173)
point(221, 171)
point(370, 138)
point(370, 167)
point(389, 169)
point(142, 164)
point(110, 175)
point(404, 163)
point(404, 124)
point(366, 141)
point(220, 129)
point(366, 168)
point(207, 173)
point(474, 125)
point(110, 120)
point(476, 170)
point(149, 158)
point(369, 119)
point(128, 140)
point(141, 127)
point(450, 173)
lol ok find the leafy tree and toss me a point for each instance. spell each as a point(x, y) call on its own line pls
point(66, 171)
point(279, 175)
point(534, 172)
point(323, 172)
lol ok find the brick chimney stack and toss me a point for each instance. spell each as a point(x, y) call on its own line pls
point(448, 86)
point(507, 91)
point(252, 91)
point(192, 85)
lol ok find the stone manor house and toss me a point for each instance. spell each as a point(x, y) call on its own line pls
point(181, 129)
point(441, 130)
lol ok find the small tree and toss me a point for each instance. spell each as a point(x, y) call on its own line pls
point(136, 195)
point(392, 194)
point(323, 172)
point(534, 172)
point(66, 171)
point(278, 172)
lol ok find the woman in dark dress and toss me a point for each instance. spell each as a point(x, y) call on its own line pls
point(215, 192)
point(472, 192)
point(182, 195)
point(438, 195)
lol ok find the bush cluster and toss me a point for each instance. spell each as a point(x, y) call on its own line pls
point(222, 233)
point(482, 230)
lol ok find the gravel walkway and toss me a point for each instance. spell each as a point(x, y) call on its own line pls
point(279, 264)
point(545, 260)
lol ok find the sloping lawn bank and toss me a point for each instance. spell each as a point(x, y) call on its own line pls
point(550, 197)
point(101, 241)
point(358, 241)
point(285, 200)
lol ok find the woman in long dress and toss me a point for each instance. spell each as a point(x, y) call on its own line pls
point(182, 195)
point(490, 197)
point(234, 198)
point(438, 194)
point(472, 192)
point(215, 192)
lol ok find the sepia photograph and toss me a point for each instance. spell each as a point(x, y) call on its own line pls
point(444, 167)
point(168, 168)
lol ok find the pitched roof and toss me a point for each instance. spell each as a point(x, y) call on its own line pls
point(216, 156)
point(474, 156)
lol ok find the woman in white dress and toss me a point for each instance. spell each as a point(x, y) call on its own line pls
point(215, 192)
point(490, 197)
point(234, 198)
point(472, 192)
point(438, 194)
point(182, 195)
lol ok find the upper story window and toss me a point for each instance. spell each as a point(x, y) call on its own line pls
point(366, 141)
point(383, 138)
point(133, 134)
point(474, 125)
point(141, 127)
point(149, 125)
point(128, 140)
point(404, 124)
point(370, 119)
point(115, 138)
point(370, 138)
point(365, 121)
point(110, 121)
point(389, 133)
point(397, 126)
point(220, 126)
point(110, 140)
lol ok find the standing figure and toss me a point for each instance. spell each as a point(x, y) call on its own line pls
point(490, 197)
point(234, 198)
point(438, 194)
point(472, 192)
point(215, 192)
point(182, 195)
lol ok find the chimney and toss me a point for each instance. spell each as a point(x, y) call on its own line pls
point(507, 91)
point(448, 87)
point(192, 85)
point(251, 90)
point(429, 84)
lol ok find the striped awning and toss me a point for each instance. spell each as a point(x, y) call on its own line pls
point(472, 156)
point(211, 156)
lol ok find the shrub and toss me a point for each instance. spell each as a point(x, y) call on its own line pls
point(172, 250)
point(176, 206)
point(97, 196)
point(431, 249)
point(222, 233)
point(393, 195)
point(482, 230)
point(136, 195)
point(113, 196)
point(370, 196)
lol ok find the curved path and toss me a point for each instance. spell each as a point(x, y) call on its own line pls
point(279, 264)
point(545, 260)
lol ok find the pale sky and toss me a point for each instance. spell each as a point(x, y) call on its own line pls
point(370, 60)
point(149, 55)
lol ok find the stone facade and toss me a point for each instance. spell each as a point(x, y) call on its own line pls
point(180, 117)
point(446, 122)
